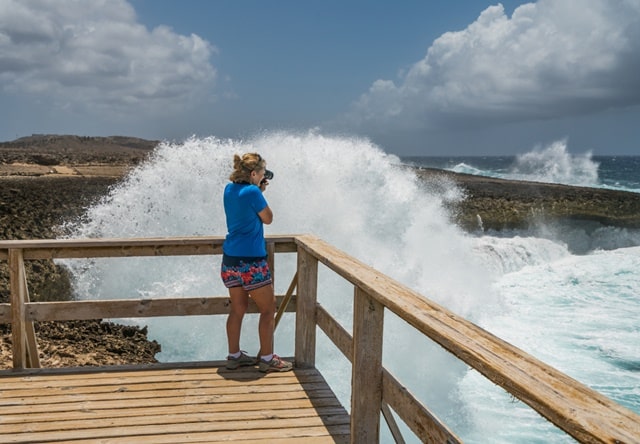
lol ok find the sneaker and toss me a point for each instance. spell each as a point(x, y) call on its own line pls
point(275, 365)
point(241, 361)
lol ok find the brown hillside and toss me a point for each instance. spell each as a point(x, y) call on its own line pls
point(47, 149)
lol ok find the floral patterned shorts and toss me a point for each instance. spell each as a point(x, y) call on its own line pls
point(248, 273)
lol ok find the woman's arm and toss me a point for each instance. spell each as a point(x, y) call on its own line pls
point(266, 215)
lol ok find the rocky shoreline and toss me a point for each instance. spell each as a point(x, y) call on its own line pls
point(46, 181)
point(499, 204)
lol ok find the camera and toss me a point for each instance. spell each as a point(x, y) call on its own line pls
point(268, 175)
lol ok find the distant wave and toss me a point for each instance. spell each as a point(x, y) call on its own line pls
point(469, 169)
point(551, 164)
point(554, 164)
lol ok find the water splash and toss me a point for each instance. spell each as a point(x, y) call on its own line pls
point(507, 255)
point(554, 164)
point(465, 168)
point(345, 190)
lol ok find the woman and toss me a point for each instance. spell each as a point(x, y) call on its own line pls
point(245, 271)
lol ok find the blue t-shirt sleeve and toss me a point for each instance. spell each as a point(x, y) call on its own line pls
point(258, 202)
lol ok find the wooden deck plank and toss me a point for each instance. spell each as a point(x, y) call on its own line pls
point(158, 434)
point(60, 398)
point(170, 405)
point(19, 387)
point(215, 369)
point(311, 435)
point(60, 422)
point(102, 378)
point(168, 401)
point(93, 414)
point(242, 429)
point(49, 395)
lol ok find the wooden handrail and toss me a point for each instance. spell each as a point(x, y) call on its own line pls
point(129, 247)
point(575, 408)
point(22, 313)
point(581, 412)
point(130, 308)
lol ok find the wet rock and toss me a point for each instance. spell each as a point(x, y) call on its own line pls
point(500, 204)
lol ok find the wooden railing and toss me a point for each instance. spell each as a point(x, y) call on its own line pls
point(581, 412)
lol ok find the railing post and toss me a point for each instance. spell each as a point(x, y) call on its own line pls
point(17, 289)
point(366, 374)
point(25, 346)
point(305, 346)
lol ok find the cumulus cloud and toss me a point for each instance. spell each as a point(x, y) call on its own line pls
point(94, 53)
point(549, 59)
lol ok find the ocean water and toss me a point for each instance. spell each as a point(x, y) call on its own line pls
point(550, 164)
point(569, 295)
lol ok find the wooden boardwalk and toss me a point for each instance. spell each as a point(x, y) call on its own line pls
point(202, 402)
point(167, 403)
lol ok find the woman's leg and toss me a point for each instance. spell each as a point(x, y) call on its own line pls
point(239, 302)
point(265, 299)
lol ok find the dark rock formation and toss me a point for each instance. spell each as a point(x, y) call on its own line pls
point(502, 204)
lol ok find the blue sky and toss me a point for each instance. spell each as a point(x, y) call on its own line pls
point(416, 77)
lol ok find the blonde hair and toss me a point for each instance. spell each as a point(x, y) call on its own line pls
point(243, 166)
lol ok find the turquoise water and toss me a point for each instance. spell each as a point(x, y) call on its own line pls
point(576, 311)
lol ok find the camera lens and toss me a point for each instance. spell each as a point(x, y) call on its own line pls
point(268, 174)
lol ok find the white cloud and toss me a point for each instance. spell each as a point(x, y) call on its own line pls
point(549, 59)
point(94, 53)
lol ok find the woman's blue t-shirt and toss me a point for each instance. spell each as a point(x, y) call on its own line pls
point(245, 232)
